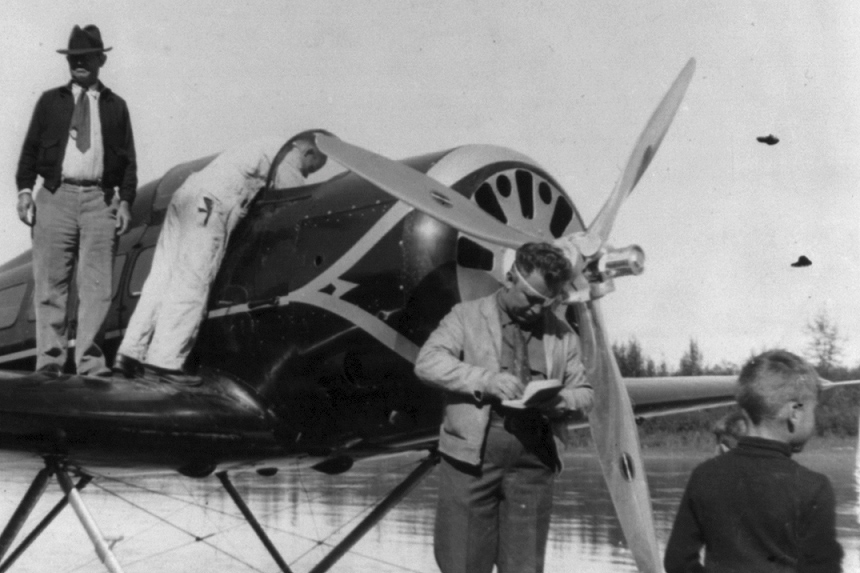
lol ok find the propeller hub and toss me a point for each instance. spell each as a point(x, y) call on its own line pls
point(621, 262)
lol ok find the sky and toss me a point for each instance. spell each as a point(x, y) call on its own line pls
point(570, 84)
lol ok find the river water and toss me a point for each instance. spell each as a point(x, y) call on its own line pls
point(183, 525)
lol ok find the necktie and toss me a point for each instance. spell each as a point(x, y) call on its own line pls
point(81, 122)
point(521, 367)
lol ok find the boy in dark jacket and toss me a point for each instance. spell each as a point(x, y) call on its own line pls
point(754, 508)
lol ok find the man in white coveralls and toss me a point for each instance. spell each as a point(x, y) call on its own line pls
point(201, 215)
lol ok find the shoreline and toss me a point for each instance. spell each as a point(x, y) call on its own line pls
point(682, 444)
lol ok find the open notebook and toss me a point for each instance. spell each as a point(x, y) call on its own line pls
point(537, 392)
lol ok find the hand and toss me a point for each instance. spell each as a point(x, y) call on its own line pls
point(26, 208)
point(554, 407)
point(123, 218)
point(505, 386)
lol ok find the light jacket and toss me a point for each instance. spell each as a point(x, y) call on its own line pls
point(463, 354)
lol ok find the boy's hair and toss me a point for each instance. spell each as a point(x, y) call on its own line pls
point(772, 379)
point(549, 261)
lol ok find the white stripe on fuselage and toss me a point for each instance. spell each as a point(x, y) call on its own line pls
point(312, 294)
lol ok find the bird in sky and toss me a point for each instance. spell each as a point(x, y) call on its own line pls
point(769, 139)
point(802, 261)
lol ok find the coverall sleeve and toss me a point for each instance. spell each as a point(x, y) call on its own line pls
point(577, 393)
point(440, 365)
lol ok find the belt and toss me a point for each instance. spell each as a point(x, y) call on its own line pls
point(82, 182)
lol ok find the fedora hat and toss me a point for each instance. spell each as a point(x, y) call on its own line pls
point(86, 40)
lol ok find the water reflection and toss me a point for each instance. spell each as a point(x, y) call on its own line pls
point(184, 525)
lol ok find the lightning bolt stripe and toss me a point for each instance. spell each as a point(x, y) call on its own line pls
point(312, 293)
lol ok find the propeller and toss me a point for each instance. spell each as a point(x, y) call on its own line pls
point(613, 427)
point(422, 192)
point(583, 248)
point(641, 156)
point(616, 439)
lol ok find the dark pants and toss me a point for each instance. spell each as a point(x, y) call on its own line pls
point(498, 513)
point(73, 224)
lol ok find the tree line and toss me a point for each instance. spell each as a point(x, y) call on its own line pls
point(836, 415)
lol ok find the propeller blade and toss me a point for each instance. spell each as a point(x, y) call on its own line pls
point(422, 192)
point(644, 151)
point(616, 439)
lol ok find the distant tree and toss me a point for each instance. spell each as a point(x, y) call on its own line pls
point(724, 368)
point(692, 362)
point(825, 342)
point(633, 363)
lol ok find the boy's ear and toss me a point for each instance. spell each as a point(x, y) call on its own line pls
point(793, 414)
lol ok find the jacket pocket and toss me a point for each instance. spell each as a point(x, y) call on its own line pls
point(49, 153)
point(116, 159)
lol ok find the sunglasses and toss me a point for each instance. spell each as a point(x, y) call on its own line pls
point(544, 301)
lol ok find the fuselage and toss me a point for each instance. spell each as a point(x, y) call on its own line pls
point(326, 293)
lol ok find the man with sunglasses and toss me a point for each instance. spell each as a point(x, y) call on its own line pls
point(80, 143)
point(499, 461)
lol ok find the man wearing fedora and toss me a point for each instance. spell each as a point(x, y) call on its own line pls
point(80, 143)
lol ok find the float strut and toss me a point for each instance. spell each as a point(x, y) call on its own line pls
point(383, 507)
point(255, 525)
point(82, 483)
point(37, 488)
point(102, 549)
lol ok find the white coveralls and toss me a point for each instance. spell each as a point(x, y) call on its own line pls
point(201, 215)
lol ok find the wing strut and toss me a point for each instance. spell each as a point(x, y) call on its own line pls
point(34, 493)
point(96, 536)
point(255, 525)
point(382, 508)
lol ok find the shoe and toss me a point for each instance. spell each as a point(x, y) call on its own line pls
point(50, 368)
point(127, 366)
point(172, 377)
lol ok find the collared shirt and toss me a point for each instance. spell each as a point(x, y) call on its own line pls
point(533, 335)
point(90, 163)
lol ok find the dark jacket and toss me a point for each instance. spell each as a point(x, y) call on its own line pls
point(755, 509)
point(45, 145)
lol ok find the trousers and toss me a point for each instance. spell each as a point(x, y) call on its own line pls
point(74, 225)
point(163, 328)
point(498, 513)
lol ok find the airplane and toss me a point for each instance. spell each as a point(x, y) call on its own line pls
point(306, 355)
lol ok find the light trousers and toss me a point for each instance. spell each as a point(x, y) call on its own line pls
point(73, 225)
point(164, 325)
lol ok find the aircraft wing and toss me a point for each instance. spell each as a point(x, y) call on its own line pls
point(664, 395)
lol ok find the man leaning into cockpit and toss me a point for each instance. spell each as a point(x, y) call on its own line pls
point(201, 215)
